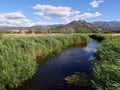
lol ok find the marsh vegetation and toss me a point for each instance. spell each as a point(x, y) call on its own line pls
point(107, 68)
point(18, 55)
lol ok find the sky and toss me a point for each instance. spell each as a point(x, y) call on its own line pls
point(47, 12)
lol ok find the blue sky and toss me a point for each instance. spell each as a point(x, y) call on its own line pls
point(42, 12)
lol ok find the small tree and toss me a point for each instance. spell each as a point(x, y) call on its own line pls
point(30, 31)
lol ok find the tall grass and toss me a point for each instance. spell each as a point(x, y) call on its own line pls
point(18, 55)
point(107, 69)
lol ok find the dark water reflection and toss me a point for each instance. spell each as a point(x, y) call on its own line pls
point(50, 76)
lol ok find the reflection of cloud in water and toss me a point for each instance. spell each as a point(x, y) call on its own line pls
point(92, 58)
point(89, 49)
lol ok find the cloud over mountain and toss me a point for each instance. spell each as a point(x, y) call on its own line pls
point(86, 15)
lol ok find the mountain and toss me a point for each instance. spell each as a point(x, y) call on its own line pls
point(76, 25)
point(73, 26)
point(112, 25)
point(37, 27)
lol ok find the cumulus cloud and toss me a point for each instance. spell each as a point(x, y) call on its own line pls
point(14, 19)
point(13, 15)
point(86, 15)
point(42, 15)
point(62, 12)
point(75, 12)
point(95, 3)
point(54, 11)
point(47, 12)
point(17, 19)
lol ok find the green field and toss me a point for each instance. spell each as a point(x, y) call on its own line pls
point(18, 55)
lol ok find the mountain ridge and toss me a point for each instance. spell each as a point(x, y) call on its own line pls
point(72, 26)
point(112, 25)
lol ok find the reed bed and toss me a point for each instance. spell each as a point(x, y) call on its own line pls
point(107, 68)
point(18, 55)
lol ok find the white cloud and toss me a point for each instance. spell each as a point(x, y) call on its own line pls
point(17, 19)
point(75, 12)
point(13, 15)
point(62, 12)
point(55, 11)
point(14, 19)
point(95, 3)
point(47, 12)
point(67, 20)
point(42, 15)
point(86, 15)
point(45, 23)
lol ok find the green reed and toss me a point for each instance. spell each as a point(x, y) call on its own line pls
point(107, 69)
point(18, 55)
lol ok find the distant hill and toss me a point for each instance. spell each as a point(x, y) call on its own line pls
point(112, 25)
point(76, 25)
point(37, 27)
point(14, 28)
point(45, 27)
point(70, 27)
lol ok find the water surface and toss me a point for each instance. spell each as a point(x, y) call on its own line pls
point(50, 75)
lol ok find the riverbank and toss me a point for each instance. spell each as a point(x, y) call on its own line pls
point(70, 69)
point(19, 54)
point(107, 69)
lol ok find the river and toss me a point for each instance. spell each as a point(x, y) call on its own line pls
point(51, 74)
